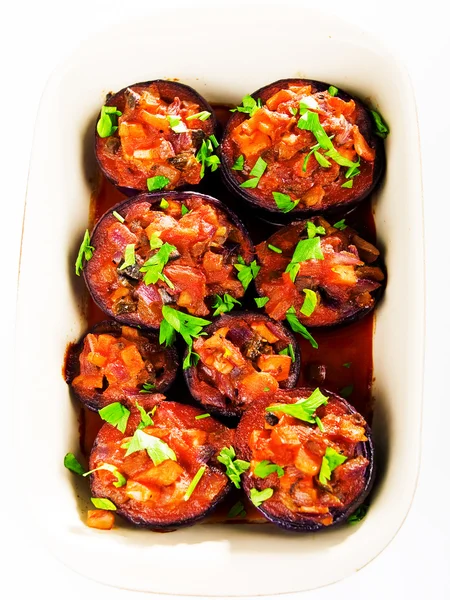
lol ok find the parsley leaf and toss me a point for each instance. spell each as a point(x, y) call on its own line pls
point(234, 466)
point(224, 305)
point(176, 124)
point(107, 124)
point(309, 303)
point(353, 171)
point(323, 162)
point(103, 504)
point(340, 225)
point(201, 116)
point(71, 463)
point(284, 202)
point(261, 302)
point(146, 420)
point(333, 90)
point(157, 450)
point(246, 273)
point(305, 250)
point(249, 105)
point(237, 510)
point(298, 327)
point(86, 251)
point(186, 325)
point(191, 358)
point(289, 351)
point(346, 391)
point(256, 173)
point(206, 157)
point(155, 240)
point(184, 210)
point(382, 130)
point(239, 164)
point(118, 217)
point(264, 468)
point(116, 414)
point(358, 515)
point(120, 479)
point(258, 497)
point(303, 409)
point(330, 461)
point(194, 482)
point(203, 416)
point(164, 204)
point(293, 110)
point(147, 388)
point(319, 423)
point(129, 258)
point(157, 183)
point(275, 249)
point(347, 365)
point(153, 267)
point(313, 230)
point(347, 184)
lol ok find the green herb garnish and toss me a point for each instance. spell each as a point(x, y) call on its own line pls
point(258, 497)
point(103, 504)
point(187, 326)
point(118, 217)
point(284, 202)
point(256, 173)
point(203, 416)
point(353, 171)
point(305, 250)
point(164, 204)
point(275, 249)
point(313, 231)
point(330, 461)
point(298, 327)
point(340, 225)
point(107, 124)
point(382, 130)
point(265, 468)
point(293, 110)
point(246, 273)
point(323, 162)
point(303, 409)
point(86, 251)
point(147, 388)
point(153, 267)
point(71, 463)
point(201, 116)
point(155, 240)
point(157, 450)
point(191, 358)
point(261, 302)
point(348, 184)
point(309, 303)
point(234, 466)
point(237, 510)
point(120, 479)
point(239, 164)
point(146, 419)
point(358, 515)
point(194, 482)
point(333, 90)
point(184, 210)
point(157, 183)
point(346, 391)
point(176, 124)
point(249, 105)
point(319, 423)
point(289, 351)
point(129, 258)
point(347, 365)
point(116, 414)
point(224, 305)
point(206, 157)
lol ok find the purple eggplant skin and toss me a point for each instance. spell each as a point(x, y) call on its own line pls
point(95, 400)
point(154, 199)
point(168, 91)
point(216, 402)
point(310, 524)
point(272, 214)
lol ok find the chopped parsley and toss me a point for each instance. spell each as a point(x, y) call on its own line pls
point(224, 305)
point(312, 230)
point(157, 450)
point(258, 497)
point(158, 182)
point(103, 504)
point(194, 482)
point(164, 204)
point(340, 225)
point(147, 388)
point(346, 391)
point(246, 273)
point(333, 91)
point(330, 461)
point(261, 302)
point(298, 327)
point(348, 184)
point(153, 267)
point(234, 466)
point(249, 105)
point(86, 251)
point(239, 164)
point(275, 249)
point(319, 423)
point(256, 173)
point(358, 515)
point(206, 157)
point(284, 202)
point(129, 258)
point(265, 468)
point(71, 463)
point(309, 303)
point(118, 217)
point(293, 110)
point(305, 250)
point(289, 351)
point(201, 116)
point(187, 326)
point(120, 479)
point(353, 171)
point(146, 419)
point(347, 365)
point(323, 162)
point(304, 410)
point(237, 510)
point(176, 124)
point(203, 416)
point(116, 414)
point(382, 130)
point(184, 210)
point(107, 124)
point(155, 240)
point(191, 358)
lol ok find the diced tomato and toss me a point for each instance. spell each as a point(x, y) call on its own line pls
point(257, 385)
point(132, 359)
point(164, 474)
point(100, 519)
point(278, 365)
point(281, 96)
point(265, 332)
point(97, 359)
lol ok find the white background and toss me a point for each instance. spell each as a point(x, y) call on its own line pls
point(37, 36)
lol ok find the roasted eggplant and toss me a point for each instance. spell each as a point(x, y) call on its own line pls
point(178, 248)
point(155, 129)
point(310, 455)
point(244, 356)
point(114, 362)
point(299, 147)
point(162, 473)
point(325, 275)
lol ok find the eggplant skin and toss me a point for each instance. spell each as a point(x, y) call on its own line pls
point(168, 91)
point(156, 520)
point(210, 397)
point(95, 400)
point(308, 524)
point(247, 249)
point(272, 214)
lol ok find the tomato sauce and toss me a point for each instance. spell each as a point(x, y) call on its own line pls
point(346, 353)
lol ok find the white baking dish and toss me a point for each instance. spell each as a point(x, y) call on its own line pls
point(223, 60)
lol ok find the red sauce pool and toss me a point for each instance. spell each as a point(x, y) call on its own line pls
point(345, 352)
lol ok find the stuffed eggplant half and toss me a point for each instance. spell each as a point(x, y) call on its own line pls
point(155, 135)
point(243, 357)
point(321, 274)
point(302, 147)
point(311, 458)
point(162, 472)
point(179, 248)
point(114, 362)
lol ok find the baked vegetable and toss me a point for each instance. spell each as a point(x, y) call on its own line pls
point(162, 473)
point(114, 361)
point(318, 273)
point(299, 147)
point(177, 249)
point(156, 135)
point(243, 357)
point(311, 458)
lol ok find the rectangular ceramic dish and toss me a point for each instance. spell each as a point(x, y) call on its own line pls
point(211, 52)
